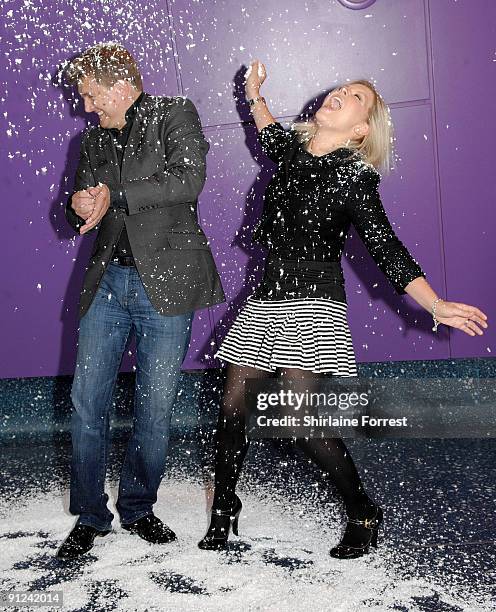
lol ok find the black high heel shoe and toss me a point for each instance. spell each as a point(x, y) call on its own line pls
point(358, 537)
point(220, 523)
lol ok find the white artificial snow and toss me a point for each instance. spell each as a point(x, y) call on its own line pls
point(280, 561)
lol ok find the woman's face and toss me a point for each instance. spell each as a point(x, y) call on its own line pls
point(346, 109)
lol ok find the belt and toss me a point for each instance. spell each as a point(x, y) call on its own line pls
point(313, 271)
point(124, 260)
point(290, 279)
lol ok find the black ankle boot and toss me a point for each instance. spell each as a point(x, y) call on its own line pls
point(220, 523)
point(151, 529)
point(79, 541)
point(359, 536)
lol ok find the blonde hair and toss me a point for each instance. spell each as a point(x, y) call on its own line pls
point(376, 147)
point(107, 63)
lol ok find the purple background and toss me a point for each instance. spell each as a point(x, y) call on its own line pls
point(434, 62)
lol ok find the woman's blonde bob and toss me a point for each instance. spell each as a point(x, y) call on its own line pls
point(376, 148)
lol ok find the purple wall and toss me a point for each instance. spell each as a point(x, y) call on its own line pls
point(433, 61)
point(464, 53)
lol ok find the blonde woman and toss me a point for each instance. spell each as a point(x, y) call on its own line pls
point(295, 323)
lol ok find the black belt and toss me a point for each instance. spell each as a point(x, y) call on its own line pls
point(328, 269)
point(311, 271)
point(124, 260)
point(292, 279)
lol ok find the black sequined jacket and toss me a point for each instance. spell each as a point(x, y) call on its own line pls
point(309, 206)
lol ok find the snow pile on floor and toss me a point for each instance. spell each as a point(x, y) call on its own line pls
point(279, 562)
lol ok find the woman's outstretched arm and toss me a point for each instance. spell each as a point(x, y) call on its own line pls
point(369, 218)
point(455, 314)
point(255, 76)
point(274, 139)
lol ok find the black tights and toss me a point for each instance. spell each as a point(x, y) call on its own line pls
point(330, 454)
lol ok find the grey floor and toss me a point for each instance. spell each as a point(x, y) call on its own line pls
point(437, 550)
point(438, 498)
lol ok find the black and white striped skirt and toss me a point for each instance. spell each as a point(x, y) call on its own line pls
point(306, 333)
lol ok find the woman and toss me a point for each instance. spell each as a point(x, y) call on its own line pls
point(295, 323)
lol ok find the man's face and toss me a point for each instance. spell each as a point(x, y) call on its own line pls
point(107, 103)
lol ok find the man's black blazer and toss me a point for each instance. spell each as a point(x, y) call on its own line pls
point(162, 174)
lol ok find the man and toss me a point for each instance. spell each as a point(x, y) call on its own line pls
point(139, 176)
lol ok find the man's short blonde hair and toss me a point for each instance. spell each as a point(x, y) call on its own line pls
point(107, 63)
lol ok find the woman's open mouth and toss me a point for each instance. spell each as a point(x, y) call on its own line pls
point(333, 104)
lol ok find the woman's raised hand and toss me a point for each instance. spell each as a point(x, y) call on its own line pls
point(462, 316)
point(254, 77)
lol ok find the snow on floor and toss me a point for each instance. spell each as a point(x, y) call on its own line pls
point(279, 562)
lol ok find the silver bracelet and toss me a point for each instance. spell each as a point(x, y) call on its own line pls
point(433, 312)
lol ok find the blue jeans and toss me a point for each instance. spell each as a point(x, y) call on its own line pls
point(121, 307)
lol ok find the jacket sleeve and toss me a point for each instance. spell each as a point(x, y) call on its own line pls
point(118, 198)
point(366, 212)
point(275, 141)
point(184, 175)
point(84, 179)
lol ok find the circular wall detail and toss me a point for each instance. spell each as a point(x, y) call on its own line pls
point(357, 4)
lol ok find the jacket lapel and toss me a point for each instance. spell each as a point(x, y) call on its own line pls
point(137, 133)
point(106, 151)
